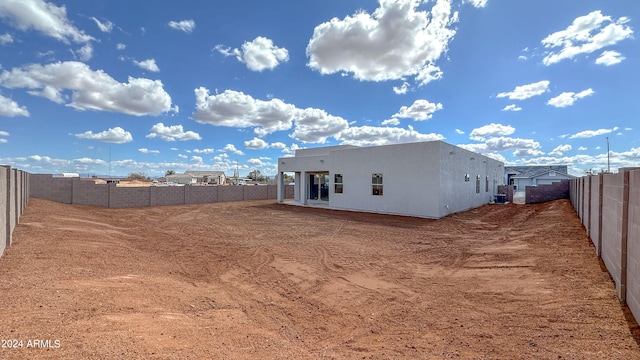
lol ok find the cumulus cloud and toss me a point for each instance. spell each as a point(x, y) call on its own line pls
point(568, 98)
point(236, 109)
point(459, 132)
point(255, 162)
point(90, 90)
point(258, 54)
point(371, 135)
point(85, 53)
point(172, 133)
point(147, 151)
point(116, 135)
point(560, 150)
point(491, 130)
point(315, 125)
point(521, 147)
point(232, 149)
point(401, 89)
point(592, 133)
point(149, 64)
point(587, 34)
point(526, 91)
point(10, 108)
point(395, 42)
point(512, 107)
point(609, 58)
point(121, 46)
point(184, 25)
point(256, 144)
point(44, 17)
point(420, 110)
point(203, 151)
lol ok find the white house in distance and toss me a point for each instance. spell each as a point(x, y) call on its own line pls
point(522, 176)
point(198, 177)
point(425, 179)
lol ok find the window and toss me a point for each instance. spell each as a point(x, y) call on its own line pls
point(466, 177)
point(486, 184)
point(478, 184)
point(337, 183)
point(376, 184)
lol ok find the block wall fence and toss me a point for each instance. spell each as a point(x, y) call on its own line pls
point(609, 207)
point(85, 192)
point(14, 194)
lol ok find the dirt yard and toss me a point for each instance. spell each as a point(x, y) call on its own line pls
point(258, 280)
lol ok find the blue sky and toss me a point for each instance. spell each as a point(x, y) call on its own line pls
point(137, 86)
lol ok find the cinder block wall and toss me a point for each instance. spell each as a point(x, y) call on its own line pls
point(45, 186)
point(612, 225)
point(547, 192)
point(633, 245)
point(612, 203)
point(14, 194)
point(507, 190)
point(86, 192)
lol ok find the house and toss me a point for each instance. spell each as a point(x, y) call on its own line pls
point(198, 177)
point(522, 176)
point(425, 179)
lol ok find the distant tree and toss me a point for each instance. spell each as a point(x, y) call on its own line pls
point(288, 178)
point(169, 172)
point(255, 175)
point(138, 176)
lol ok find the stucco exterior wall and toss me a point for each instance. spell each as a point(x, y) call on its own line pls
point(425, 179)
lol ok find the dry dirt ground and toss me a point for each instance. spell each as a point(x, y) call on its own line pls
point(258, 280)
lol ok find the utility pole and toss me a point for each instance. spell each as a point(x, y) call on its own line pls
point(608, 158)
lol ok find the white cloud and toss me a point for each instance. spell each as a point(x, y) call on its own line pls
point(392, 122)
point(106, 26)
point(512, 107)
point(184, 25)
point(203, 151)
point(477, 3)
point(116, 135)
point(121, 46)
point(260, 54)
point(232, 148)
point(279, 145)
point(85, 53)
point(45, 17)
point(609, 57)
point(585, 35)
point(522, 147)
point(371, 135)
point(6, 39)
point(459, 132)
point(3, 141)
point(149, 64)
point(395, 42)
point(420, 110)
point(183, 156)
point(560, 150)
point(491, 130)
point(526, 91)
point(582, 148)
point(196, 159)
point(568, 98)
point(172, 133)
point(91, 90)
point(235, 109)
point(256, 144)
point(147, 151)
point(315, 125)
point(11, 108)
point(4, 133)
point(255, 162)
point(591, 133)
point(402, 89)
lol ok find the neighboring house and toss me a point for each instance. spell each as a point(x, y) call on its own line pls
point(425, 179)
point(521, 176)
point(198, 177)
